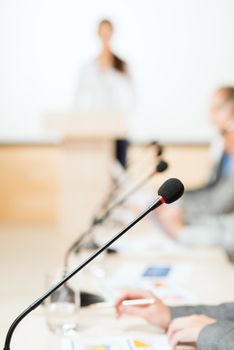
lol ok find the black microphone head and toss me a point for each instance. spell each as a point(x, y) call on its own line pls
point(159, 150)
point(153, 143)
point(171, 190)
point(161, 166)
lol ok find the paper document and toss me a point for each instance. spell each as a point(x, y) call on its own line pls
point(157, 342)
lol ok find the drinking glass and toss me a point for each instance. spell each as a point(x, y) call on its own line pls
point(62, 307)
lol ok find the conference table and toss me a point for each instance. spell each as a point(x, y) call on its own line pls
point(204, 272)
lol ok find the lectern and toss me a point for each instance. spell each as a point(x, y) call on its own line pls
point(87, 152)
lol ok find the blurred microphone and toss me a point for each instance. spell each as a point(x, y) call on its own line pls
point(158, 147)
point(152, 144)
point(158, 151)
point(161, 167)
point(169, 192)
point(90, 298)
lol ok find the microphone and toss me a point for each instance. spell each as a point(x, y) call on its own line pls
point(161, 167)
point(169, 192)
point(90, 298)
point(158, 149)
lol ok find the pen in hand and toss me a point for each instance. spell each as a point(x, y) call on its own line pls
point(132, 302)
point(135, 302)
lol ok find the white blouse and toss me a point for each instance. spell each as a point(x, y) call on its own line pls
point(103, 90)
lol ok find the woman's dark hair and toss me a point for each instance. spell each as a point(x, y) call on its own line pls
point(118, 63)
point(227, 91)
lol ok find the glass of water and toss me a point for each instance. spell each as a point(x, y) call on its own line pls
point(62, 307)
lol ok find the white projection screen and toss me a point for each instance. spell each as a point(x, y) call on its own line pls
point(178, 53)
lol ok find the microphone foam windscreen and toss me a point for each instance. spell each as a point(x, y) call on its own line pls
point(171, 190)
point(153, 143)
point(159, 150)
point(161, 166)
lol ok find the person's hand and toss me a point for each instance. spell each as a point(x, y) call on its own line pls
point(157, 314)
point(187, 329)
point(172, 220)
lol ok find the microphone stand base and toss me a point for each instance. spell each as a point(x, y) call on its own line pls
point(87, 299)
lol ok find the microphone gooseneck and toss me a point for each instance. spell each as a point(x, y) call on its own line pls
point(170, 191)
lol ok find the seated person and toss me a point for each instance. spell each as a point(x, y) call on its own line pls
point(218, 115)
point(220, 98)
point(210, 327)
point(206, 216)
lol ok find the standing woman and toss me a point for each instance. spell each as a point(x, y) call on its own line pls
point(105, 85)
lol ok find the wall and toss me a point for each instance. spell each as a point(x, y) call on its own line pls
point(178, 51)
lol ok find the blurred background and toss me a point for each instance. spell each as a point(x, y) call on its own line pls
point(89, 107)
point(175, 51)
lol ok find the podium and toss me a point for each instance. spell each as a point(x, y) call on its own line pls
point(87, 153)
